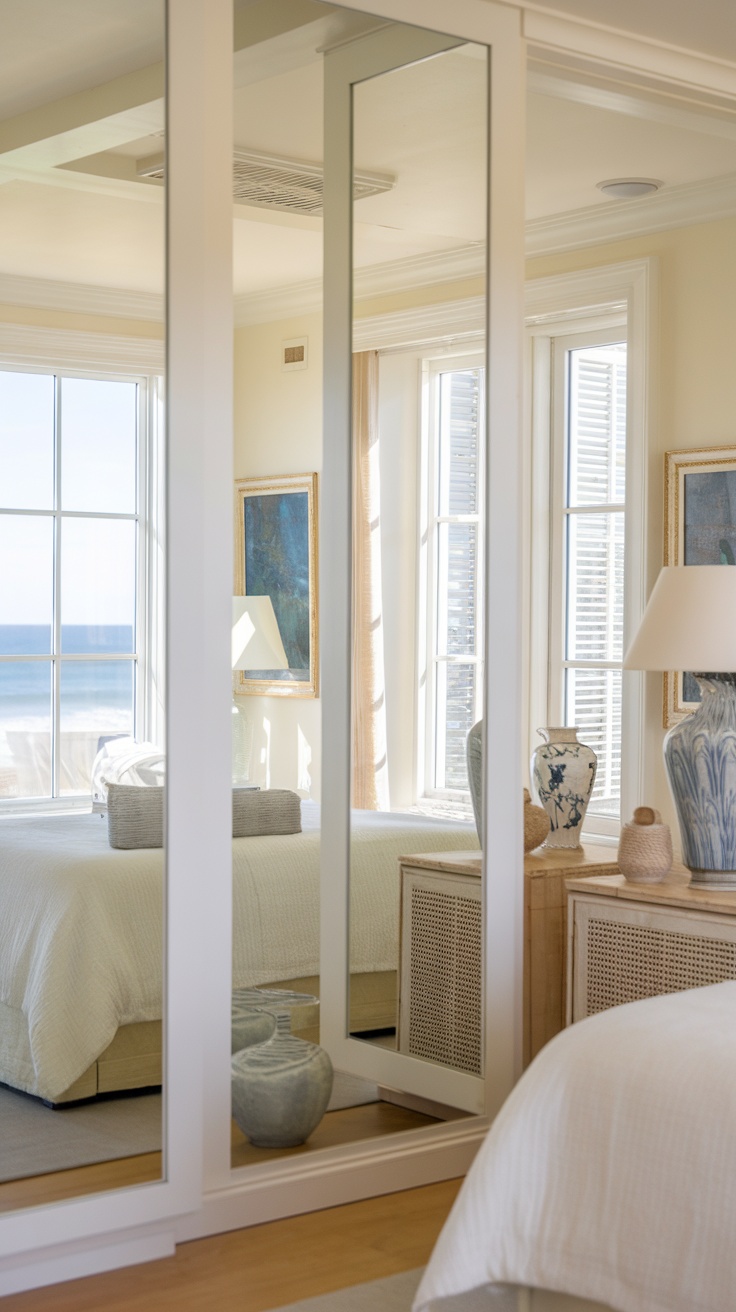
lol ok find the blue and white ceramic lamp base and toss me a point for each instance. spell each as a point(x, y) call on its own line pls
point(700, 757)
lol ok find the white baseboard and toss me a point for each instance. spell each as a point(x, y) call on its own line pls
point(86, 1257)
point(290, 1186)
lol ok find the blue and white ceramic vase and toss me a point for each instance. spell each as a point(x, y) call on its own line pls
point(563, 774)
point(700, 757)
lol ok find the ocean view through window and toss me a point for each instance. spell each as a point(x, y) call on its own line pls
point(72, 522)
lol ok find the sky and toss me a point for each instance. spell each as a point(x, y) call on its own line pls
point(98, 423)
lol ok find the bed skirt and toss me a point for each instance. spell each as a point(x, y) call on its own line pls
point(133, 1059)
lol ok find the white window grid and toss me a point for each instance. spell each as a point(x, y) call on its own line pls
point(433, 597)
point(603, 817)
point(147, 656)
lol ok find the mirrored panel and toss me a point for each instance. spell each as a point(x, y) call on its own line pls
point(418, 435)
point(82, 677)
point(405, 225)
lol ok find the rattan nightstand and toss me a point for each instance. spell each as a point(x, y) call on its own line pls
point(440, 950)
point(631, 941)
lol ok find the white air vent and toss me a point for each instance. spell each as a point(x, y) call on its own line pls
point(279, 184)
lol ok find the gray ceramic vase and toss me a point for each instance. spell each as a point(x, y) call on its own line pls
point(280, 1089)
point(249, 1027)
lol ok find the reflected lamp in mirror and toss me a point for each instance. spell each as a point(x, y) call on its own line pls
point(690, 624)
point(256, 645)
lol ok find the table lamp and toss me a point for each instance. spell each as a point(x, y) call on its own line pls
point(256, 645)
point(690, 624)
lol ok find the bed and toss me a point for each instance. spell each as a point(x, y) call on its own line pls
point(609, 1176)
point(81, 932)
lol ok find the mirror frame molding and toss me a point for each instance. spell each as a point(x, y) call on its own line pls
point(61, 1241)
point(45, 1244)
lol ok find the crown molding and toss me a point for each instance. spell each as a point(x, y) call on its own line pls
point(379, 280)
point(80, 298)
point(606, 222)
point(546, 79)
point(443, 325)
point(674, 207)
point(60, 348)
point(702, 78)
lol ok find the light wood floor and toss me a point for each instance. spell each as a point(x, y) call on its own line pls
point(266, 1266)
point(54, 1186)
point(349, 1125)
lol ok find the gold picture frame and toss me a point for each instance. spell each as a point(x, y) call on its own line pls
point(700, 529)
point(276, 556)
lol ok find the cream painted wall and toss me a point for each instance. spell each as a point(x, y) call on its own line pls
point(278, 430)
point(693, 392)
point(32, 316)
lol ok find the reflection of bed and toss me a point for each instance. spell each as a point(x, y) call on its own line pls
point(609, 1173)
point(81, 932)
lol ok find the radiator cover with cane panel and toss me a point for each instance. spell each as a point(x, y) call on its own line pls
point(440, 988)
point(624, 951)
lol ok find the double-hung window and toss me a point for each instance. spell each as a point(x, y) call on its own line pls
point(451, 591)
point(75, 596)
point(587, 553)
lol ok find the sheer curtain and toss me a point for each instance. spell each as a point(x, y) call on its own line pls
point(370, 765)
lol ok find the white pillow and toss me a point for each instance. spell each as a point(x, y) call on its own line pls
point(124, 761)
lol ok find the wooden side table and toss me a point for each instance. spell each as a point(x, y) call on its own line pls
point(440, 951)
point(632, 941)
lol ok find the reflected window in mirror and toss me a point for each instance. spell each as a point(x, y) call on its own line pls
point(82, 620)
point(451, 644)
point(78, 597)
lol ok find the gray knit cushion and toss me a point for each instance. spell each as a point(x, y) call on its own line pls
point(135, 816)
point(273, 811)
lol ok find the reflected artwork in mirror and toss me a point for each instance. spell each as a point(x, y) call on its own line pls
point(82, 645)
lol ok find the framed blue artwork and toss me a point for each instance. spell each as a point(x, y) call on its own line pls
point(700, 529)
point(276, 557)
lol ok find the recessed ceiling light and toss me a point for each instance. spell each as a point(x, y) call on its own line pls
point(625, 188)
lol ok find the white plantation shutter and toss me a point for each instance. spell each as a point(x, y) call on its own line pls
point(456, 583)
point(594, 573)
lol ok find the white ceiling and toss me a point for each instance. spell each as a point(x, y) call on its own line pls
point(73, 209)
point(51, 48)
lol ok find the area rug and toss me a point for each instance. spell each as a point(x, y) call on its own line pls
point(392, 1294)
point(35, 1139)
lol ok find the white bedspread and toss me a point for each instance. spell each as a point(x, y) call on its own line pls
point(610, 1172)
point(81, 925)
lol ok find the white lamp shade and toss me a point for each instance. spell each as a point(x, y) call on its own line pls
point(256, 639)
point(689, 622)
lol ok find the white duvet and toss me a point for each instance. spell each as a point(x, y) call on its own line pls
point(81, 926)
point(610, 1172)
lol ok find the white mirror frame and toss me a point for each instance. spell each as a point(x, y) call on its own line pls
point(41, 1245)
point(498, 27)
point(199, 1193)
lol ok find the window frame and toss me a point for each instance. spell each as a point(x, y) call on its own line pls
point(149, 653)
point(560, 513)
point(557, 306)
point(430, 797)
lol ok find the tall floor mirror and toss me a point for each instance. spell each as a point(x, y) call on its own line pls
point(350, 193)
point(82, 651)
